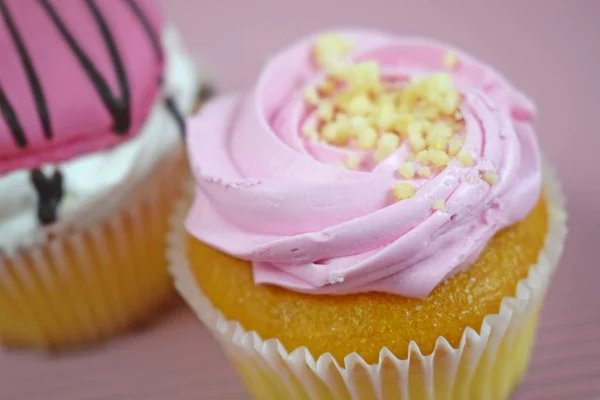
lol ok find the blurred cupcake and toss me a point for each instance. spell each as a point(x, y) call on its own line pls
point(93, 96)
point(372, 221)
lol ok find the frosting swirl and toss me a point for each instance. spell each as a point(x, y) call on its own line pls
point(265, 193)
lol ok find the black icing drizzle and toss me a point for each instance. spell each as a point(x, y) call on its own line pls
point(118, 107)
point(50, 192)
point(34, 82)
point(11, 119)
point(154, 39)
point(176, 114)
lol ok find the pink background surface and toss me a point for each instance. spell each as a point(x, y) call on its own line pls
point(549, 49)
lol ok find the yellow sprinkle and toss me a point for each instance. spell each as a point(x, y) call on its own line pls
point(437, 136)
point(360, 105)
point(386, 145)
point(438, 157)
point(423, 156)
point(424, 172)
point(403, 191)
point(327, 87)
point(329, 133)
point(367, 76)
point(450, 103)
point(325, 111)
point(440, 82)
point(450, 59)
point(441, 129)
point(458, 116)
point(417, 143)
point(407, 170)
point(430, 113)
point(465, 158)
point(438, 143)
point(403, 122)
point(490, 177)
point(410, 97)
point(310, 132)
point(439, 205)
point(330, 47)
point(358, 123)
point(343, 118)
point(416, 128)
point(352, 161)
point(367, 139)
point(387, 118)
point(455, 144)
point(311, 96)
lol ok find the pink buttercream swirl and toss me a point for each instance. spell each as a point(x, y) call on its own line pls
point(265, 194)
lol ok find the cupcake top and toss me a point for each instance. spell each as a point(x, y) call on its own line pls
point(363, 162)
point(77, 76)
point(91, 96)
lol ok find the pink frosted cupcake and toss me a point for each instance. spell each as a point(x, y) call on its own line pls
point(92, 100)
point(372, 221)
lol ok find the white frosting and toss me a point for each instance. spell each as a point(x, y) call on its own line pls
point(96, 182)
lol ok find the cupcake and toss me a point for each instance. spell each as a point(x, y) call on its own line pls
point(373, 220)
point(93, 96)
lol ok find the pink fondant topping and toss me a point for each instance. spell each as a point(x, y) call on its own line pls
point(267, 194)
point(75, 76)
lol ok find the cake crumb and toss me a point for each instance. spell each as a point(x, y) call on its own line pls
point(450, 59)
point(330, 48)
point(310, 132)
point(333, 279)
point(490, 177)
point(386, 145)
point(311, 96)
point(465, 158)
point(352, 161)
point(417, 142)
point(424, 172)
point(325, 111)
point(439, 158)
point(407, 170)
point(455, 144)
point(366, 139)
point(327, 87)
point(439, 205)
point(403, 191)
point(423, 156)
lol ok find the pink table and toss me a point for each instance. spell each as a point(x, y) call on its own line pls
point(548, 48)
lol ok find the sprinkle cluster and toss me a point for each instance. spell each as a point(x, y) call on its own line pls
point(358, 108)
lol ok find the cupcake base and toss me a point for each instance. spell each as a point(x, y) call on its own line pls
point(488, 363)
point(90, 284)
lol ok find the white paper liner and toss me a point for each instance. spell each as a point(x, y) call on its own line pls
point(486, 364)
point(89, 283)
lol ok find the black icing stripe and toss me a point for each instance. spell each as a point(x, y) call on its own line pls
point(12, 121)
point(50, 193)
point(176, 114)
point(34, 82)
point(152, 35)
point(119, 108)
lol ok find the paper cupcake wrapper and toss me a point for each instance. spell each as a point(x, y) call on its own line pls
point(91, 283)
point(486, 365)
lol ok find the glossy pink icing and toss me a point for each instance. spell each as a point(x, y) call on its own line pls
point(264, 194)
point(80, 122)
